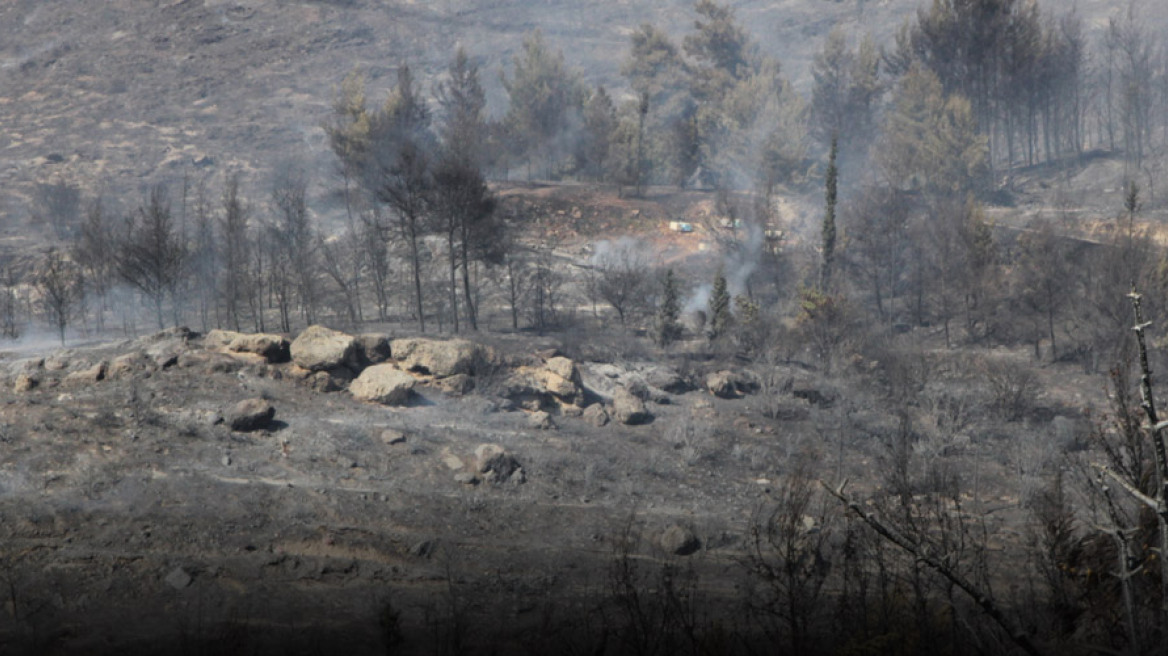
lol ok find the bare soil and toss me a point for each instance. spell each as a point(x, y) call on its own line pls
point(133, 520)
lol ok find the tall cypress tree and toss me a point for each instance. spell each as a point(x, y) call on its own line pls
point(719, 307)
point(668, 329)
point(830, 185)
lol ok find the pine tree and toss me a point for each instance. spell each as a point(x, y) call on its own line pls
point(719, 307)
point(830, 185)
point(668, 329)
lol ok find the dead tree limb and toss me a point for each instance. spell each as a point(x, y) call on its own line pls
point(937, 563)
point(1129, 488)
point(1122, 539)
point(1159, 503)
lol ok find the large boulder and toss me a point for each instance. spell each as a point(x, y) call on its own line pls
point(320, 349)
point(561, 379)
point(251, 415)
point(497, 466)
point(25, 383)
point(219, 339)
point(555, 384)
point(436, 357)
point(729, 385)
point(540, 420)
point(383, 383)
point(596, 415)
point(722, 384)
point(164, 348)
point(372, 348)
point(628, 409)
point(667, 379)
point(679, 540)
point(129, 365)
point(272, 348)
point(92, 374)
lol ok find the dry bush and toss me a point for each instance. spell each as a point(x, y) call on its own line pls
point(1013, 388)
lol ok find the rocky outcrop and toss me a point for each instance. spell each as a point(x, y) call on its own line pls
point(219, 339)
point(554, 385)
point(628, 409)
point(272, 348)
point(320, 349)
point(438, 358)
point(729, 384)
point(129, 365)
point(251, 415)
point(92, 374)
point(561, 379)
point(383, 383)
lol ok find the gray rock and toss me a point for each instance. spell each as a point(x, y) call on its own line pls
point(251, 415)
point(319, 349)
point(628, 409)
point(540, 420)
point(372, 348)
point(679, 540)
point(501, 468)
point(57, 362)
point(178, 579)
point(466, 478)
point(272, 348)
point(596, 415)
point(91, 374)
point(392, 437)
point(24, 383)
point(724, 384)
point(220, 339)
point(129, 365)
point(560, 378)
point(436, 357)
point(165, 353)
point(667, 379)
point(383, 383)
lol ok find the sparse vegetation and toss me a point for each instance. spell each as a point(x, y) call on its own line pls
point(893, 263)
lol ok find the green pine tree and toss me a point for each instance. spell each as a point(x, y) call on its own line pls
point(830, 192)
point(668, 329)
point(719, 307)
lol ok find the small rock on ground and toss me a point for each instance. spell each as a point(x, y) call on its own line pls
point(679, 540)
point(251, 415)
point(178, 578)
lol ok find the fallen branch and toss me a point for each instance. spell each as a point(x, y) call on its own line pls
point(919, 552)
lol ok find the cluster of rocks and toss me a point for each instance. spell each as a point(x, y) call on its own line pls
point(376, 369)
point(71, 369)
point(490, 463)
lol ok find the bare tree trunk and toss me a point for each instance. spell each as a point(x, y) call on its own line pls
point(468, 299)
point(453, 259)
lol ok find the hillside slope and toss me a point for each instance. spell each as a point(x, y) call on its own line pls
point(120, 94)
point(131, 93)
